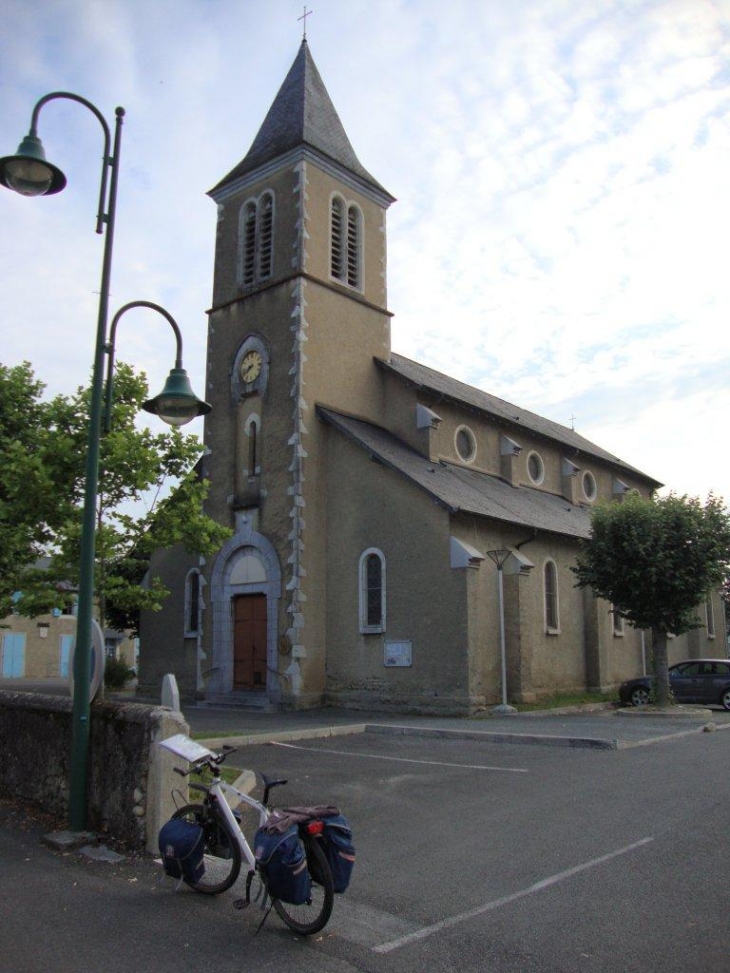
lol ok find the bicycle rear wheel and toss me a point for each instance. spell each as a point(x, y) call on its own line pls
point(221, 853)
point(314, 914)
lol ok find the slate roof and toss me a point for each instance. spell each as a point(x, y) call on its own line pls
point(462, 394)
point(461, 489)
point(301, 114)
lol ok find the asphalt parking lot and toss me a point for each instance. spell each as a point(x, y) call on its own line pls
point(471, 854)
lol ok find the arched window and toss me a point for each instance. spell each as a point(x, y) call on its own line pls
point(248, 245)
point(372, 591)
point(265, 240)
point(256, 240)
point(337, 250)
point(193, 602)
point(552, 618)
point(353, 246)
point(253, 428)
point(345, 242)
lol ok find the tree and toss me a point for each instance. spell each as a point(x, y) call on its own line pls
point(656, 561)
point(42, 481)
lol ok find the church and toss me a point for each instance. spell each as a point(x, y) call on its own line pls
point(400, 540)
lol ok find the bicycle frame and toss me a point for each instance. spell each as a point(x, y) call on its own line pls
point(217, 790)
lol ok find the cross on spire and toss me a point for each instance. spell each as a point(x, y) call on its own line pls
point(307, 13)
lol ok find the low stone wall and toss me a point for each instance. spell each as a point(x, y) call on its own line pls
point(130, 778)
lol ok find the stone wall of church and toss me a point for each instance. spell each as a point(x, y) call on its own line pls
point(227, 284)
point(427, 602)
point(320, 186)
point(164, 648)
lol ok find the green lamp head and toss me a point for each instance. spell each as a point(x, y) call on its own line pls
point(28, 173)
point(177, 403)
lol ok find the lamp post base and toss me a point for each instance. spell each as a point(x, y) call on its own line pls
point(504, 709)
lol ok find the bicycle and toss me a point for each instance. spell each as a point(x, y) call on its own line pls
point(226, 846)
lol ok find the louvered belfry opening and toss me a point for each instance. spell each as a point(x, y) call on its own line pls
point(337, 265)
point(353, 246)
point(265, 241)
point(346, 243)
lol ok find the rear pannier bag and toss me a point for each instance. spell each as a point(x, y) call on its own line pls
point(218, 838)
point(181, 847)
point(339, 849)
point(281, 858)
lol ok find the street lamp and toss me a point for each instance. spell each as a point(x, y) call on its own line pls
point(30, 174)
point(500, 557)
point(176, 404)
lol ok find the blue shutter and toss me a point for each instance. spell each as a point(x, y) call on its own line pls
point(67, 642)
point(13, 655)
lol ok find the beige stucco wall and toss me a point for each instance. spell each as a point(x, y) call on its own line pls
point(165, 649)
point(43, 652)
point(427, 600)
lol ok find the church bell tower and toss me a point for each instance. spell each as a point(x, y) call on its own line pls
point(299, 313)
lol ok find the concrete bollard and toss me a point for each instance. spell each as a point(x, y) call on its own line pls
point(170, 692)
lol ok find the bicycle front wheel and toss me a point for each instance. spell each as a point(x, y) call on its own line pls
point(314, 914)
point(221, 852)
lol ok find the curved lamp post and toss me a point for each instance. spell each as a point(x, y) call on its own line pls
point(30, 174)
point(176, 404)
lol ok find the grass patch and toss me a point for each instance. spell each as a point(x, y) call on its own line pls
point(229, 774)
point(560, 700)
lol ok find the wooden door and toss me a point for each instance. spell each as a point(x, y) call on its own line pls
point(249, 642)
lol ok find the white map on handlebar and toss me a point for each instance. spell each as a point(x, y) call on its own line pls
point(185, 747)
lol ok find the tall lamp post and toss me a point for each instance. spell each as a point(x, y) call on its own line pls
point(28, 173)
point(500, 557)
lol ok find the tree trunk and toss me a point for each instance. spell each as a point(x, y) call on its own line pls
point(661, 669)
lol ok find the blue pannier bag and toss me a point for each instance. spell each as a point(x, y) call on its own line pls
point(181, 846)
point(339, 849)
point(281, 859)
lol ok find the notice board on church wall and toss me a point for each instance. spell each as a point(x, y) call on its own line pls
point(398, 653)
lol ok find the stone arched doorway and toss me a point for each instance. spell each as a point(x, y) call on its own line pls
point(245, 590)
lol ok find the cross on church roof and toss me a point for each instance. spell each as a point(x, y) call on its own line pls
point(307, 13)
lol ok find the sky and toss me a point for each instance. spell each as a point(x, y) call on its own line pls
point(560, 167)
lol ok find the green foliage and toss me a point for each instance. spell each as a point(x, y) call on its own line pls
point(657, 560)
point(150, 496)
point(116, 674)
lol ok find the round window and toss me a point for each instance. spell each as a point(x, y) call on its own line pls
point(589, 485)
point(535, 468)
point(466, 445)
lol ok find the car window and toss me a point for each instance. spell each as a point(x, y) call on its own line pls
point(685, 669)
point(722, 668)
point(706, 668)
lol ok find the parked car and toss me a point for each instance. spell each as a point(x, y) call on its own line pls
point(704, 681)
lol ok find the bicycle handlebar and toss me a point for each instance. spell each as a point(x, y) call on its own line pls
point(212, 763)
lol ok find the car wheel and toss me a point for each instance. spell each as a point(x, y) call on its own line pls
point(725, 699)
point(639, 696)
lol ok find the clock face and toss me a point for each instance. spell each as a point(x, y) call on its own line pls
point(251, 366)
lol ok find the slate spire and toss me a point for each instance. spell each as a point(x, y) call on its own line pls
point(302, 114)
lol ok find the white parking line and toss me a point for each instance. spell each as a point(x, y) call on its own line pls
point(401, 760)
point(427, 931)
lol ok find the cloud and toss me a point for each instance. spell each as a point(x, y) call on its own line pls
point(559, 237)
